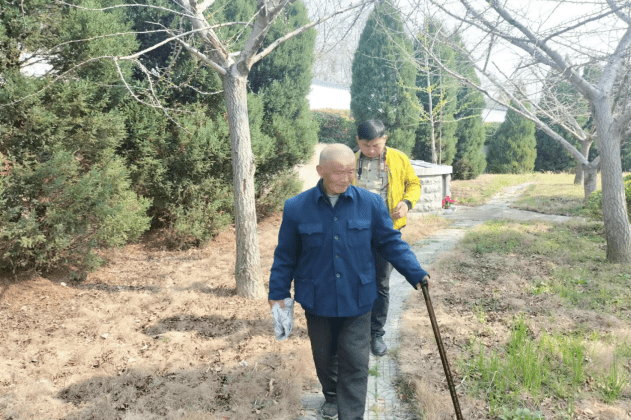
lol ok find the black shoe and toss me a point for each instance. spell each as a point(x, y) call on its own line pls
point(377, 346)
point(329, 411)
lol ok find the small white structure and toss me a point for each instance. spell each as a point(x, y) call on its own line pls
point(329, 95)
point(435, 185)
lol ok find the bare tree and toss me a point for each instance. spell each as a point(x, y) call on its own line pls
point(219, 52)
point(542, 46)
point(233, 68)
point(336, 41)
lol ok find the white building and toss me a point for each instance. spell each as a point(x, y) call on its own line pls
point(329, 95)
point(334, 96)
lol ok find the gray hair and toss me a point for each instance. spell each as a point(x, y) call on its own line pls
point(335, 152)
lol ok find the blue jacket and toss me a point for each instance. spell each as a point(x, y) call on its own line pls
point(327, 252)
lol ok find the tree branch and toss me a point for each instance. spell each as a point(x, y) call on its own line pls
point(207, 34)
point(584, 22)
point(202, 57)
point(616, 10)
point(149, 6)
point(610, 73)
point(559, 63)
point(302, 29)
point(159, 44)
point(520, 109)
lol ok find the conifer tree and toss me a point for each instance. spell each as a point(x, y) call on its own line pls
point(551, 156)
point(470, 160)
point(513, 149)
point(383, 75)
point(67, 192)
point(283, 82)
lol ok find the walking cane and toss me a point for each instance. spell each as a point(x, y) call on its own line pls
point(441, 350)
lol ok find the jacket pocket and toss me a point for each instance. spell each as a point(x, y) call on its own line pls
point(367, 289)
point(358, 232)
point(304, 293)
point(311, 234)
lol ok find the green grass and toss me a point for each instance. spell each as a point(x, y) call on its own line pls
point(553, 194)
point(574, 254)
point(613, 382)
point(526, 369)
point(478, 191)
point(549, 193)
point(563, 262)
point(529, 367)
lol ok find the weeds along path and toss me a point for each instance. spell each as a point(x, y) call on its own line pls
point(384, 402)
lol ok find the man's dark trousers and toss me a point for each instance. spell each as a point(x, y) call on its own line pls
point(344, 378)
point(380, 308)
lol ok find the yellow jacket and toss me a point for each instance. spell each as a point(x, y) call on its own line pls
point(403, 184)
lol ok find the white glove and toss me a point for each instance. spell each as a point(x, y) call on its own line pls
point(283, 319)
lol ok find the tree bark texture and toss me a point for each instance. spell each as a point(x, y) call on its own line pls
point(617, 230)
point(248, 266)
point(591, 180)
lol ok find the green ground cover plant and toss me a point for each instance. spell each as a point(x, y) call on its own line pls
point(550, 365)
point(574, 256)
point(554, 194)
point(479, 191)
point(562, 364)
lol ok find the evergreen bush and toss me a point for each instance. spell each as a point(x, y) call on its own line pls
point(383, 78)
point(470, 160)
point(512, 149)
point(335, 126)
point(58, 212)
point(272, 198)
point(63, 191)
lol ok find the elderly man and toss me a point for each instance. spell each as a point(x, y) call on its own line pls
point(324, 246)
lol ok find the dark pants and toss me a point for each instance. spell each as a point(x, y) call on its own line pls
point(380, 307)
point(341, 348)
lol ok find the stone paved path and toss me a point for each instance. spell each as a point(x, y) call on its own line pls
point(382, 402)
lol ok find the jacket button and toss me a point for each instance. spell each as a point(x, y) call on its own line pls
point(335, 218)
point(335, 237)
point(337, 275)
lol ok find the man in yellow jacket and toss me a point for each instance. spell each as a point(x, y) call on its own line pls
point(387, 172)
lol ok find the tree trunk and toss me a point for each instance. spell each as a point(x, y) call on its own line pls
point(617, 230)
point(248, 266)
point(591, 180)
point(585, 146)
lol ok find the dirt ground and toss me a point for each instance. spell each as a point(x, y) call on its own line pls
point(476, 299)
point(154, 334)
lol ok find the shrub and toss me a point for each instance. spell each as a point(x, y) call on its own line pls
point(271, 197)
point(512, 150)
point(57, 212)
point(336, 126)
point(199, 213)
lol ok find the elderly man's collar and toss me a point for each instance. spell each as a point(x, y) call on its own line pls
point(321, 194)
